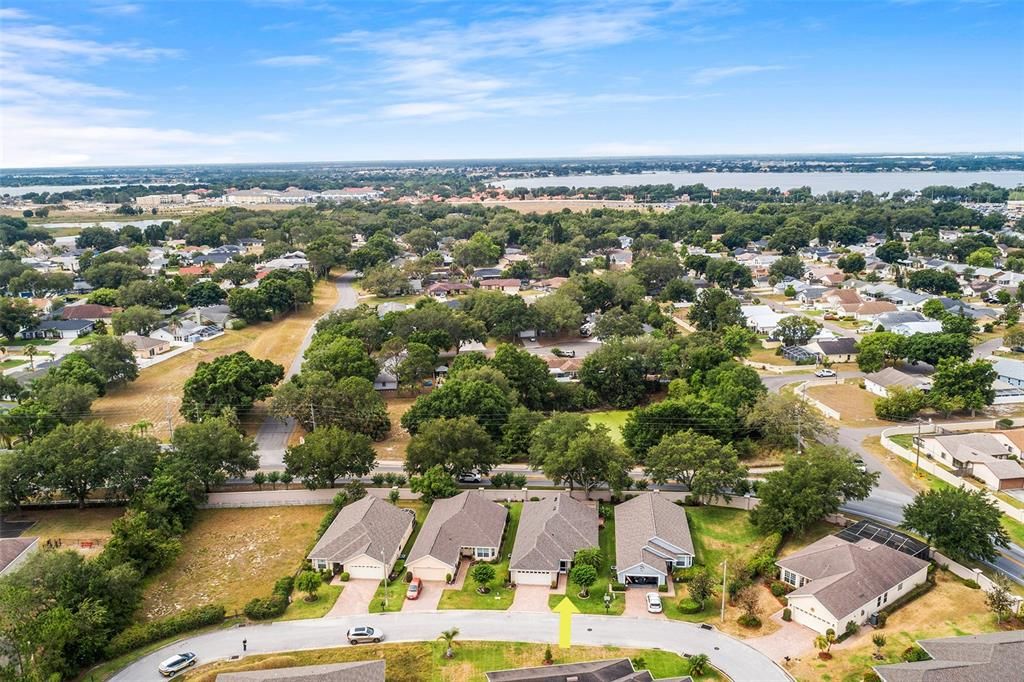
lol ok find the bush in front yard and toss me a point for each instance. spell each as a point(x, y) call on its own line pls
point(266, 607)
point(283, 586)
point(779, 589)
point(748, 620)
point(344, 577)
point(787, 614)
point(138, 636)
point(689, 606)
point(662, 588)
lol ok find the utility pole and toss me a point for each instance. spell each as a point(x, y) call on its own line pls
point(170, 420)
point(917, 447)
point(725, 571)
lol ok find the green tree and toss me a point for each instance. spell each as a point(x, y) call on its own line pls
point(933, 281)
point(701, 587)
point(852, 263)
point(483, 575)
point(236, 272)
point(231, 382)
point(436, 484)
point(386, 281)
point(615, 373)
point(249, 304)
point(901, 404)
point(316, 399)
point(76, 459)
point(891, 251)
point(459, 397)
point(419, 363)
point(138, 319)
point(308, 582)
point(204, 294)
point(112, 358)
point(329, 453)
point(646, 426)
point(787, 266)
point(558, 314)
point(448, 637)
point(874, 350)
point(517, 434)
point(934, 309)
point(458, 445)
point(738, 340)
point(570, 451)
point(808, 488)
point(964, 524)
point(999, 599)
point(1014, 336)
point(795, 330)
point(16, 314)
point(153, 294)
point(931, 348)
point(213, 449)
point(584, 576)
point(342, 357)
point(527, 374)
point(77, 369)
point(715, 309)
point(969, 383)
point(704, 465)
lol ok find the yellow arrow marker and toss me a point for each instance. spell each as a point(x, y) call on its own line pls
point(565, 608)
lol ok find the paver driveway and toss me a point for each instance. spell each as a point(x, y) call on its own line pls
point(354, 598)
point(531, 598)
point(636, 603)
point(430, 596)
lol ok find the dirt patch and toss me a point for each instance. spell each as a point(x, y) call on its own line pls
point(230, 556)
point(156, 395)
point(393, 447)
point(853, 403)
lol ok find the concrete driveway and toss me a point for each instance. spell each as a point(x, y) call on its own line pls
point(533, 598)
point(791, 640)
point(636, 602)
point(430, 597)
point(355, 598)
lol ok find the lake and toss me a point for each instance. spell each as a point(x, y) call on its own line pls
point(819, 182)
point(112, 224)
point(25, 189)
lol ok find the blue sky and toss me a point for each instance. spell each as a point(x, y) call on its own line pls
point(96, 82)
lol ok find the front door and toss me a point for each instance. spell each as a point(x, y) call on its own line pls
point(563, 566)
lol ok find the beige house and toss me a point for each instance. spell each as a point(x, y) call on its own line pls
point(652, 537)
point(145, 347)
point(838, 581)
point(971, 658)
point(364, 540)
point(467, 525)
point(550, 533)
point(989, 457)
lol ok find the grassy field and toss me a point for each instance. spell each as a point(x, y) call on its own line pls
point(421, 661)
point(613, 419)
point(158, 389)
point(396, 589)
point(595, 603)
point(231, 556)
point(72, 526)
point(854, 404)
point(768, 356)
point(300, 608)
point(393, 447)
point(950, 609)
point(499, 598)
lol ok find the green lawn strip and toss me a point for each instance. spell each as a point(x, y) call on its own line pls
point(29, 342)
point(595, 603)
point(499, 598)
point(396, 588)
point(300, 608)
point(613, 419)
point(7, 364)
point(1015, 529)
point(904, 439)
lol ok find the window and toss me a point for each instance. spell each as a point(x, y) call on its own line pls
point(878, 602)
point(899, 588)
point(792, 578)
point(321, 564)
point(484, 552)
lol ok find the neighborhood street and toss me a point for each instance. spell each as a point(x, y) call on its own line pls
point(735, 658)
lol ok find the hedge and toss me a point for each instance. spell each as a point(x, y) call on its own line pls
point(763, 561)
point(137, 636)
point(266, 607)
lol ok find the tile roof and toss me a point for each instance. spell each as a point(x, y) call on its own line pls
point(843, 576)
point(551, 530)
point(357, 671)
point(466, 520)
point(370, 526)
point(973, 658)
point(87, 311)
point(642, 519)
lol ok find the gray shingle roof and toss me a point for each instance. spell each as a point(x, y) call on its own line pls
point(12, 548)
point(368, 526)
point(974, 658)
point(642, 519)
point(466, 520)
point(551, 530)
point(357, 671)
point(890, 376)
point(615, 670)
point(845, 575)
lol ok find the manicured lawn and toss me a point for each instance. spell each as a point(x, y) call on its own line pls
point(1015, 529)
point(595, 603)
point(396, 588)
point(416, 662)
point(950, 609)
point(499, 598)
point(28, 342)
point(613, 419)
point(300, 608)
point(85, 340)
point(7, 364)
point(230, 556)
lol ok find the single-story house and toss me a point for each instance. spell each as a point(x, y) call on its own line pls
point(970, 658)
point(564, 369)
point(834, 350)
point(623, 258)
point(486, 273)
point(1010, 371)
point(507, 286)
point(364, 540)
point(467, 525)
point(985, 456)
point(812, 294)
point(614, 670)
point(444, 289)
point(15, 551)
point(652, 537)
point(550, 533)
point(386, 380)
point(881, 381)
point(186, 332)
point(922, 327)
point(837, 581)
point(761, 318)
point(355, 671)
point(58, 329)
point(88, 311)
point(833, 298)
point(196, 270)
point(391, 307)
point(868, 311)
point(217, 315)
point(889, 320)
point(145, 347)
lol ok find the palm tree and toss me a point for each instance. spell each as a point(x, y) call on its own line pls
point(699, 664)
point(878, 639)
point(141, 427)
point(449, 641)
point(824, 642)
point(30, 352)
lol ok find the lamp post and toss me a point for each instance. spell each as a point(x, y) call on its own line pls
point(725, 570)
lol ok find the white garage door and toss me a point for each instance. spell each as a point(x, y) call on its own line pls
point(430, 573)
point(532, 577)
point(363, 571)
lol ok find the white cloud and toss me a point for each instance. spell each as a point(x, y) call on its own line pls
point(715, 74)
point(118, 9)
point(13, 14)
point(293, 60)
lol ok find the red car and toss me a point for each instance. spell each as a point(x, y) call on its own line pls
point(414, 589)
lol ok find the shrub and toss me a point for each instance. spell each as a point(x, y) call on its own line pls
point(389, 478)
point(400, 480)
point(915, 653)
point(1004, 424)
point(447, 577)
point(378, 480)
point(284, 586)
point(763, 561)
point(534, 499)
point(871, 676)
point(972, 584)
point(689, 606)
point(662, 588)
point(618, 587)
point(851, 628)
point(266, 607)
point(137, 636)
point(344, 576)
point(407, 577)
point(748, 620)
point(685, 575)
point(881, 618)
point(787, 614)
point(236, 324)
point(779, 588)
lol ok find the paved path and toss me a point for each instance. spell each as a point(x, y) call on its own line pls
point(735, 658)
point(272, 438)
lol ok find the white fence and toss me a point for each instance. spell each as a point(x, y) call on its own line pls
point(801, 390)
point(974, 574)
point(937, 470)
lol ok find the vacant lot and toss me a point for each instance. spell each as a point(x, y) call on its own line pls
point(426, 661)
point(950, 609)
point(393, 447)
point(613, 419)
point(157, 391)
point(86, 530)
point(232, 555)
point(854, 404)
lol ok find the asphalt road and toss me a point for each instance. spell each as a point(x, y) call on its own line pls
point(272, 437)
point(735, 658)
